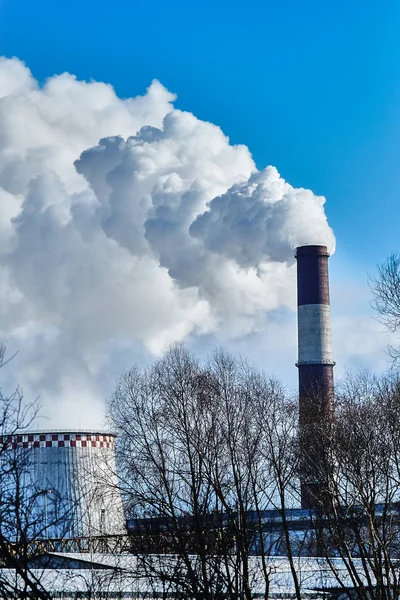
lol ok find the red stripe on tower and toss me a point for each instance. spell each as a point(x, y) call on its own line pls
point(60, 440)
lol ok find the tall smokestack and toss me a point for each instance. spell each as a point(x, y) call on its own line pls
point(315, 364)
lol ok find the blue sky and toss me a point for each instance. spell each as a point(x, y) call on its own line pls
point(311, 87)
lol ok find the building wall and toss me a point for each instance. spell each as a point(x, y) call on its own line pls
point(72, 480)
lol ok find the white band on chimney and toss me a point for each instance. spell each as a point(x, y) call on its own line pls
point(315, 335)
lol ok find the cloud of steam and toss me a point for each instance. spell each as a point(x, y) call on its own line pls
point(159, 231)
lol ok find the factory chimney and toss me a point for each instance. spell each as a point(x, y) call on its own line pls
point(315, 364)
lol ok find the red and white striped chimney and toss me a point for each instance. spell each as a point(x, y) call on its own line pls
point(315, 364)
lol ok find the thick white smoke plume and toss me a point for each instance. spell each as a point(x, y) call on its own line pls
point(159, 231)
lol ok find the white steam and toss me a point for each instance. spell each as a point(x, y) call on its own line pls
point(160, 231)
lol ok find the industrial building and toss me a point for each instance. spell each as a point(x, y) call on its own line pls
point(66, 473)
point(86, 544)
point(73, 473)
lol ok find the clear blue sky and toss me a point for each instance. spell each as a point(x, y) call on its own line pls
point(312, 87)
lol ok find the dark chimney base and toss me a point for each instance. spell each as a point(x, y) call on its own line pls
point(315, 394)
point(315, 419)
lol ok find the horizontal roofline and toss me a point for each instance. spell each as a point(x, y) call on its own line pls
point(58, 431)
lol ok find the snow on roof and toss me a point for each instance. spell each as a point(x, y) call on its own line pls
point(315, 574)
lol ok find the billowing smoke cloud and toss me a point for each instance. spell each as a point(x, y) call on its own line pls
point(262, 219)
point(159, 231)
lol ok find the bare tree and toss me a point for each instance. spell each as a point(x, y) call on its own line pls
point(204, 451)
point(357, 518)
point(385, 286)
point(24, 514)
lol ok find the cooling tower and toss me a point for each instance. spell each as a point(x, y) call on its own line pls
point(315, 364)
point(70, 482)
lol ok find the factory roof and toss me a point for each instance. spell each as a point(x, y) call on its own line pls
point(73, 583)
point(315, 574)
